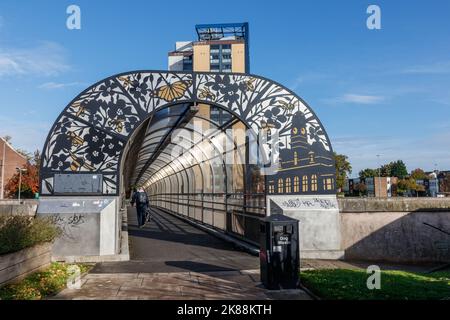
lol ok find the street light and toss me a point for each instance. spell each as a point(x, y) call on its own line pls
point(379, 176)
point(20, 179)
point(2, 187)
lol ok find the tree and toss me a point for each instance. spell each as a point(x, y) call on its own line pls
point(398, 169)
point(385, 170)
point(414, 186)
point(409, 184)
point(444, 183)
point(25, 153)
point(360, 188)
point(402, 186)
point(368, 173)
point(30, 180)
point(343, 169)
point(7, 138)
point(36, 160)
point(418, 174)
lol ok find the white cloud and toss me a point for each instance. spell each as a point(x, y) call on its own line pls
point(56, 85)
point(46, 59)
point(361, 99)
point(435, 68)
point(355, 99)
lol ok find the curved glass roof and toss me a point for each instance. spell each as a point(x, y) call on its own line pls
point(187, 138)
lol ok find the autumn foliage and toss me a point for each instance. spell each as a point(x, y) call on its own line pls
point(30, 182)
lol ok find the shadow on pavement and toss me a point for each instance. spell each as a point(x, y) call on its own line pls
point(199, 267)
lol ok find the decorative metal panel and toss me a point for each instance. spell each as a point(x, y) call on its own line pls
point(91, 133)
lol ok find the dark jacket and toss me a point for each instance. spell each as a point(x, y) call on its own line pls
point(140, 199)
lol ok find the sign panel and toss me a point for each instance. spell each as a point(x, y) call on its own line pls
point(84, 184)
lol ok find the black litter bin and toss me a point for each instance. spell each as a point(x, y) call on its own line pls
point(279, 252)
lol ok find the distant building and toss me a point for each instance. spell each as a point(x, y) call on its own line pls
point(431, 187)
point(219, 48)
point(383, 187)
point(10, 159)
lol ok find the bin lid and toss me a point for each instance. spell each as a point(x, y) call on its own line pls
point(279, 218)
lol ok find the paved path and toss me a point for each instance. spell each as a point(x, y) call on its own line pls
point(171, 259)
point(228, 285)
point(168, 244)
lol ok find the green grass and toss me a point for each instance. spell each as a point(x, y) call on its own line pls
point(343, 284)
point(40, 285)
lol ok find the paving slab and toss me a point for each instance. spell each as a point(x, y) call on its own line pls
point(171, 259)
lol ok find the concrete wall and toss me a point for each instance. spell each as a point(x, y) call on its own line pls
point(89, 226)
point(238, 57)
point(320, 225)
point(395, 230)
point(201, 58)
point(13, 207)
point(17, 265)
point(393, 204)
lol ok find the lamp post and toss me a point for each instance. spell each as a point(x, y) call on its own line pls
point(2, 186)
point(20, 179)
point(379, 176)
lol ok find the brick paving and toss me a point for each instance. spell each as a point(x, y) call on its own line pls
point(227, 285)
point(171, 259)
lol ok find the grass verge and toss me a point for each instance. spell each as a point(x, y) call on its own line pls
point(40, 285)
point(345, 284)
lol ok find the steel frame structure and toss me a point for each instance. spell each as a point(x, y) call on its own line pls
point(97, 133)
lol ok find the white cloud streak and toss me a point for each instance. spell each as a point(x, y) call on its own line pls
point(429, 69)
point(352, 98)
point(46, 59)
point(56, 85)
point(361, 99)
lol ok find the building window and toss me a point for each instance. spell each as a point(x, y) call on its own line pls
point(295, 158)
point(280, 186)
point(271, 188)
point(288, 185)
point(296, 184)
point(314, 182)
point(328, 184)
point(220, 58)
point(311, 157)
point(305, 184)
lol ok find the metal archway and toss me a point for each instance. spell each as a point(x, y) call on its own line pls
point(90, 135)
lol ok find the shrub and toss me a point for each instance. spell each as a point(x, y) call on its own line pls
point(20, 232)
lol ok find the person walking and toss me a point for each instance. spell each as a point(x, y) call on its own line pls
point(140, 199)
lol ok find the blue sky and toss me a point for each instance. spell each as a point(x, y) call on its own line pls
point(381, 92)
